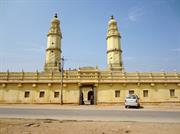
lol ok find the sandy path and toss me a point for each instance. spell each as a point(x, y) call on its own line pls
point(25, 126)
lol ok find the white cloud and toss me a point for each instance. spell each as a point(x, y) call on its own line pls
point(135, 13)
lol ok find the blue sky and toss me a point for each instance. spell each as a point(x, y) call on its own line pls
point(150, 31)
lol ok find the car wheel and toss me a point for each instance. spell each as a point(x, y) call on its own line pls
point(126, 106)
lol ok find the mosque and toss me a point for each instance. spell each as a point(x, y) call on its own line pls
point(87, 85)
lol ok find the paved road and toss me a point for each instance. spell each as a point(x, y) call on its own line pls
point(93, 115)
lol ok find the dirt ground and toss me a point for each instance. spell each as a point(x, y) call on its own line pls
point(32, 126)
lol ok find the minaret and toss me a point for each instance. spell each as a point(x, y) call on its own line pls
point(53, 51)
point(114, 52)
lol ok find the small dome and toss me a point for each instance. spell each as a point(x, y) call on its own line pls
point(112, 20)
point(55, 19)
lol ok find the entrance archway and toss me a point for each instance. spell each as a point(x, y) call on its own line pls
point(87, 95)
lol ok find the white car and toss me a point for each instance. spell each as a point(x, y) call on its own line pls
point(132, 100)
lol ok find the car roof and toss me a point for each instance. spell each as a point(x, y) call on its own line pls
point(131, 95)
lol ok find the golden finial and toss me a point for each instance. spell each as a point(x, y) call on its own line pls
point(112, 17)
point(55, 16)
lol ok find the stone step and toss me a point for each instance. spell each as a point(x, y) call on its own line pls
point(87, 102)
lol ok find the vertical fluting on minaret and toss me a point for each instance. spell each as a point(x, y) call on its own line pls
point(53, 51)
point(114, 52)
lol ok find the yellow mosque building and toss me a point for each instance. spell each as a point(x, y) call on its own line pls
point(87, 85)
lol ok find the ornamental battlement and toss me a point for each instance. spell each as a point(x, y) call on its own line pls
point(96, 76)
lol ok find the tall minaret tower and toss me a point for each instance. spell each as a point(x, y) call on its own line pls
point(114, 52)
point(53, 51)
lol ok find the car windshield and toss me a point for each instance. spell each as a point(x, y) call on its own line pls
point(131, 97)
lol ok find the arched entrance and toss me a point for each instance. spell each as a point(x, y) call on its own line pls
point(87, 95)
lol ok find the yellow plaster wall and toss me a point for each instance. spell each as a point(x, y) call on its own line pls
point(13, 93)
point(71, 94)
point(1, 94)
point(9, 94)
point(106, 93)
point(157, 93)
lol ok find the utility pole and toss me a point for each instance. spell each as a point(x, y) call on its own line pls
point(62, 71)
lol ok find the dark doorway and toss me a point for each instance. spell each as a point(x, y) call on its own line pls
point(91, 97)
point(81, 99)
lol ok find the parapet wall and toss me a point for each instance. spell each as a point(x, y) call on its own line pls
point(90, 76)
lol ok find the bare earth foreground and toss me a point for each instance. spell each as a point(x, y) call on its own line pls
point(47, 126)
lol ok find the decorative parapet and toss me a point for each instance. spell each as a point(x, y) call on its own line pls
point(91, 75)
